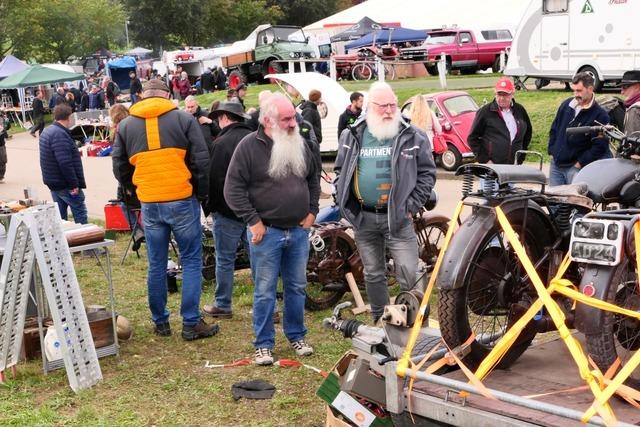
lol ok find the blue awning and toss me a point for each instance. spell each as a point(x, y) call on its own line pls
point(124, 62)
point(398, 35)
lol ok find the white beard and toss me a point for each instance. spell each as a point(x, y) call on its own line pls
point(287, 154)
point(381, 129)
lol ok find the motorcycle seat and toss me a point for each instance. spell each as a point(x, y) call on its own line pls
point(605, 178)
point(505, 174)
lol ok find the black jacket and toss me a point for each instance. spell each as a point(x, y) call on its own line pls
point(489, 136)
point(60, 159)
point(38, 109)
point(310, 114)
point(206, 81)
point(254, 196)
point(206, 129)
point(136, 86)
point(347, 119)
point(223, 149)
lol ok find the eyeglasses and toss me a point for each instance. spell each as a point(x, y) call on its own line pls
point(384, 107)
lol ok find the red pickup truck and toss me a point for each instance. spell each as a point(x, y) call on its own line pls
point(465, 50)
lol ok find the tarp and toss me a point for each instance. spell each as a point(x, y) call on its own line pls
point(119, 70)
point(37, 75)
point(139, 51)
point(356, 31)
point(398, 35)
point(11, 65)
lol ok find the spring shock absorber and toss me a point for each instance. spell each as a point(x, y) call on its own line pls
point(563, 217)
point(489, 185)
point(467, 184)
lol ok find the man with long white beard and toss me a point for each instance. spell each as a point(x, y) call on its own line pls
point(385, 175)
point(272, 184)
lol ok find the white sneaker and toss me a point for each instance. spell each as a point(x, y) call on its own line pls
point(302, 348)
point(263, 357)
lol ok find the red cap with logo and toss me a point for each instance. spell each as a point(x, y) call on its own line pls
point(505, 85)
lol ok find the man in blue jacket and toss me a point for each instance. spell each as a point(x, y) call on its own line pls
point(61, 166)
point(572, 153)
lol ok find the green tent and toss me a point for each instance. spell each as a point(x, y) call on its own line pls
point(37, 75)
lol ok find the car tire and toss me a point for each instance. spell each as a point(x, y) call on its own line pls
point(451, 159)
point(597, 83)
point(432, 70)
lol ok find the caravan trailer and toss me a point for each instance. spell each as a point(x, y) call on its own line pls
point(558, 38)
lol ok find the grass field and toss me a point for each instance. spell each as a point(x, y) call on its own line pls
point(163, 382)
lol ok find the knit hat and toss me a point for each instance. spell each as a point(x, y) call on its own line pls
point(155, 84)
point(314, 95)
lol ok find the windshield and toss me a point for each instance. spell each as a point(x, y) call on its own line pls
point(441, 38)
point(460, 105)
point(289, 34)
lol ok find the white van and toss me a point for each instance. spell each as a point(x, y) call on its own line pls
point(558, 38)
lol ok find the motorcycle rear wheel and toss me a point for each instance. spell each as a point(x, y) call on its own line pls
point(619, 335)
point(487, 302)
point(326, 284)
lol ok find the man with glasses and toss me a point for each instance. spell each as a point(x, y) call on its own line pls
point(500, 128)
point(631, 90)
point(573, 152)
point(385, 174)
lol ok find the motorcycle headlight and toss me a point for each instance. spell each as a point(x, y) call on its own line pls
point(292, 54)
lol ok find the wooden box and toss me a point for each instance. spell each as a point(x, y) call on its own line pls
point(237, 59)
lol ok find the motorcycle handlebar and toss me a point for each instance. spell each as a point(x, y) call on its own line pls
point(583, 130)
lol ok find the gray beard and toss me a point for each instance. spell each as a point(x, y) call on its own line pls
point(287, 154)
point(381, 129)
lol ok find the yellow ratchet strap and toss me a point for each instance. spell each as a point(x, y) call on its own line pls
point(403, 363)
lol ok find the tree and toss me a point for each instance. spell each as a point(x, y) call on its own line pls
point(305, 12)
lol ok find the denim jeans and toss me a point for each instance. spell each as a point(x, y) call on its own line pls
point(561, 175)
point(372, 237)
point(285, 253)
point(181, 217)
point(65, 200)
point(228, 233)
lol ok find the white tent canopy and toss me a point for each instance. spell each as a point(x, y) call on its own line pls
point(427, 14)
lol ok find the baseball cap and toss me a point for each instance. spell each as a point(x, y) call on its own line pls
point(505, 85)
point(155, 84)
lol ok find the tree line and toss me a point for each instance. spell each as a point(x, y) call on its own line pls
point(56, 30)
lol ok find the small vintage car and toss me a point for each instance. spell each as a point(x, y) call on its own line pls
point(456, 111)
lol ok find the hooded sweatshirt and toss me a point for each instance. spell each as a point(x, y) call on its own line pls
point(162, 151)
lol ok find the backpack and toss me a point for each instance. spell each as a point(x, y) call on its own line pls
point(614, 107)
point(116, 89)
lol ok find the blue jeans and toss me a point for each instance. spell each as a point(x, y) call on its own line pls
point(228, 233)
point(284, 253)
point(65, 200)
point(134, 98)
point(372, 238)
point(181, 217)
point(561, 175)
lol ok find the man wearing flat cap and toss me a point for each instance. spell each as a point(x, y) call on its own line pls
point(310, 112)
point(631, 90)
point(228, 228)
point(161, 151)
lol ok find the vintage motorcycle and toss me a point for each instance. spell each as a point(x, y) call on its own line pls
point(333, 253)
point(483, 288)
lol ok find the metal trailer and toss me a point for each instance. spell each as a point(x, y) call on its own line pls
point(542, 388)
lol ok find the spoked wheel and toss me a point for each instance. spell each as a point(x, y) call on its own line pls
point(389, 72)
point(326, 271)
point(620, 335)
point(495, 291)
point(430, 241)
point(362, 72)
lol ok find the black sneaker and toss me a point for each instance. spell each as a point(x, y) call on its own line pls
point(199, 330)
point(162, 329)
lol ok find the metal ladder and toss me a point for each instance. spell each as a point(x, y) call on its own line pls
point(37, 233)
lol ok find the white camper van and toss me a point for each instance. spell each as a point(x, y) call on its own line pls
point(558, 38)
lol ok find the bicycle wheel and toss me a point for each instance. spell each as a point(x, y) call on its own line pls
point(362, 72)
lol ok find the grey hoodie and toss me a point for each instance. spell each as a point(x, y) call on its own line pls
point(413, 173)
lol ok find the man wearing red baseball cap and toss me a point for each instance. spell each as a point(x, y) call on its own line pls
point(500, 128)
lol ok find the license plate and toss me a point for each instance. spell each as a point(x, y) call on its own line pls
point(597, 241)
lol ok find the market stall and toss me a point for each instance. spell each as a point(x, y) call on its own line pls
point(119, 69)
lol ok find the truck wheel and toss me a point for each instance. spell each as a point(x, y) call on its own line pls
point(432, 70)
point(597, 83)
point(496, 64)
point(451, 158)
point(235, 78)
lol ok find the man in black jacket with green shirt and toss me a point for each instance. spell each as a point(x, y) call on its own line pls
point(272, 184)
point(228, 229)
point(500, 128)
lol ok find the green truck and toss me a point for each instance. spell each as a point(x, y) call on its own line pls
point(251, 59)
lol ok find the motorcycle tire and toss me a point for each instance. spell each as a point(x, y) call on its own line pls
point(619, 336)
point(326, 287)
point(430, 239)
point(494, 304)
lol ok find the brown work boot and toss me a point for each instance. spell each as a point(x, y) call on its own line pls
point(220, 313)
point(276, 317)
point(199, 330)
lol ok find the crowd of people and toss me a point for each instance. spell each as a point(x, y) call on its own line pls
point(257, 173)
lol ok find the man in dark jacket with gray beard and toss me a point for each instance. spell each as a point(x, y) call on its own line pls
point(272, 184)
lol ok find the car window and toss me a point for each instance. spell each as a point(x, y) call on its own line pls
point(465, 38)
point(435, 108)
point(460, 105)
